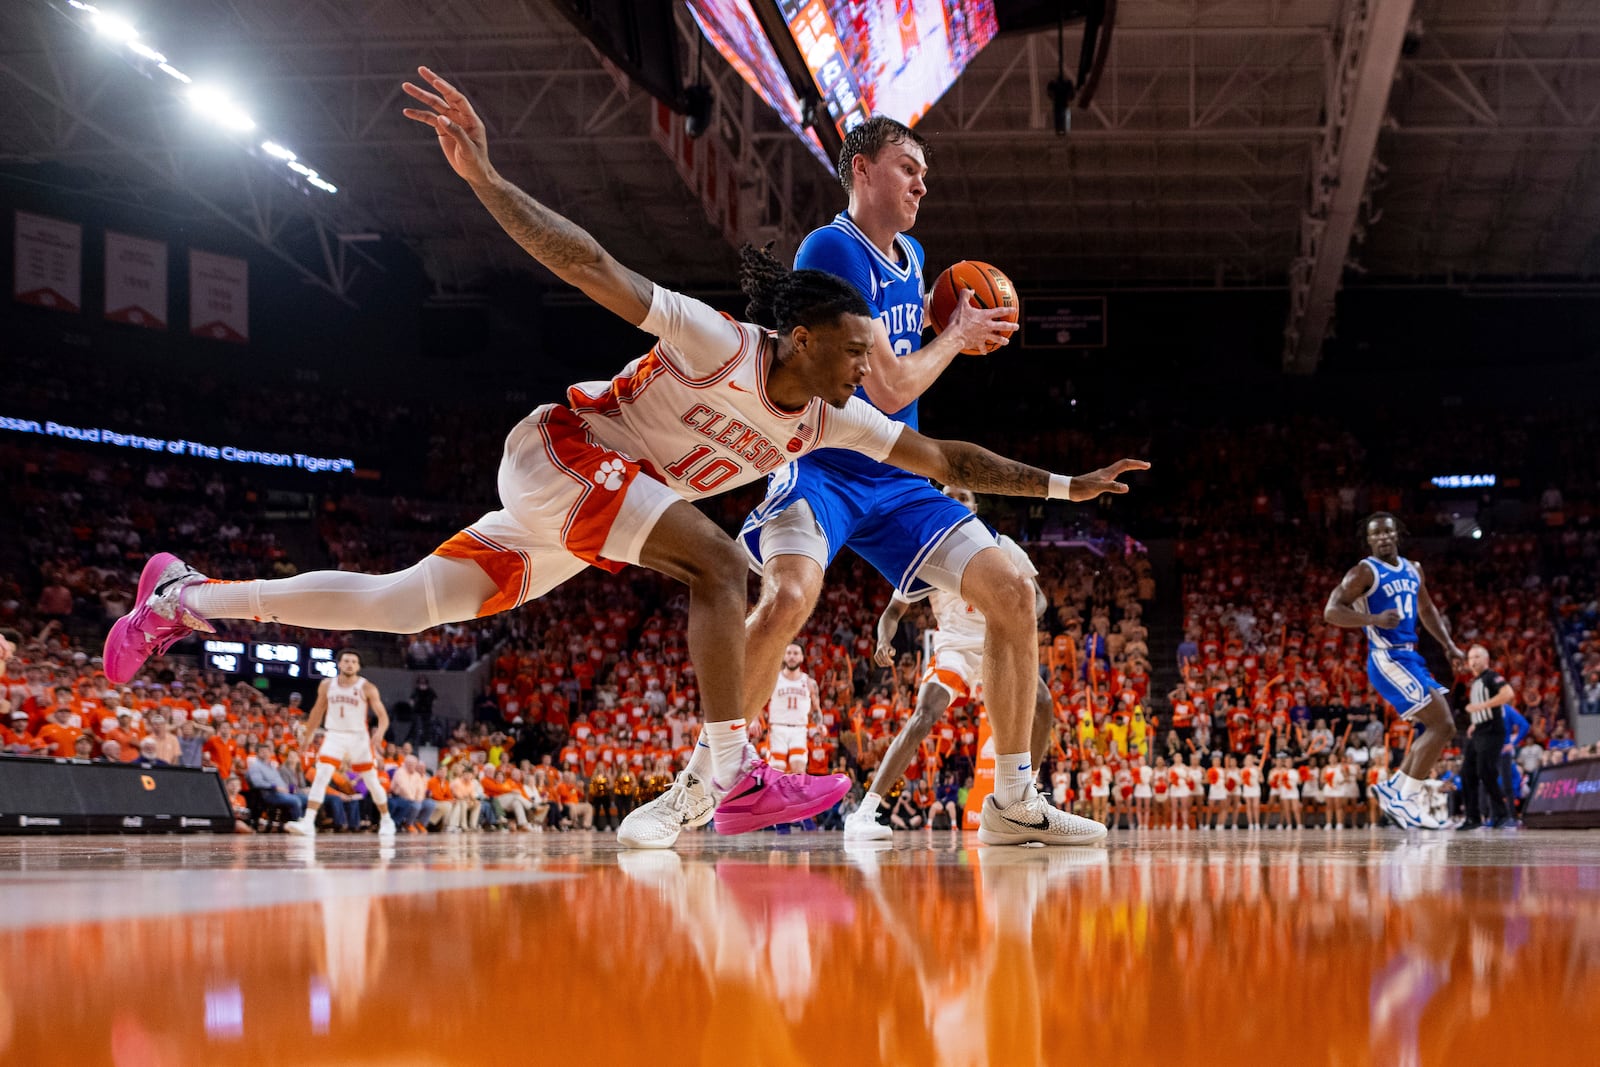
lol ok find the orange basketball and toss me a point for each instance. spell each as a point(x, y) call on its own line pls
point(990, 289)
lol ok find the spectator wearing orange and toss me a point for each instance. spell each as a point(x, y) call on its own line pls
point(58, 736)
point(14, 735)
point(123, 733)
point(445, 806)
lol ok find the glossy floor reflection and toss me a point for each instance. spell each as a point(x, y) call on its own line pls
point(1316, 948)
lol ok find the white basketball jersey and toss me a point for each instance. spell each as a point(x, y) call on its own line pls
point(694, 410)
point(961, 625)
point(347, 707)
point(791, 701)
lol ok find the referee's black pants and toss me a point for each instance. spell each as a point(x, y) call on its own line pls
point(1480, 766)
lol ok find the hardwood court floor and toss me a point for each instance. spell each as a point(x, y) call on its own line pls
point(1194, 949)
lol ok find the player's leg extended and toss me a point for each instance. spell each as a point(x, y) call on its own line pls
point(691, 548)
point(435, 591)
point(994, 586)
point(932, 700)
point(1438, 729)
point(790, 585)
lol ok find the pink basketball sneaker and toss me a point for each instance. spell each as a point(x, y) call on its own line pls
point(765, 797)
point(158, 620)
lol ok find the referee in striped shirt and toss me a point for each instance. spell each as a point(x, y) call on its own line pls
point(1488, 696)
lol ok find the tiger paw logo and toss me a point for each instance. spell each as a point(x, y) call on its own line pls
point(609, 476)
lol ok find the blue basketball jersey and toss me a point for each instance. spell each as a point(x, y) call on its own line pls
point(894, 290)
point(1396, 588)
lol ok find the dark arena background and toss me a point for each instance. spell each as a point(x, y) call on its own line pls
point(1311, 259)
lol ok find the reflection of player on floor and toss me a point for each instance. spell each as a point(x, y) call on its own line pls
point(344, 701)
point(912, 534)
point(791, 710)
point(1385, 594)
point(951, 679)
point(606, 479)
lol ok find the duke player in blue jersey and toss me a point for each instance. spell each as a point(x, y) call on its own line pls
point(1385, 594)
point(913, 534)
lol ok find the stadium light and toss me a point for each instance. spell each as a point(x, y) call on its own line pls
point(215, 105)
point(208, 101)
point(115, 27)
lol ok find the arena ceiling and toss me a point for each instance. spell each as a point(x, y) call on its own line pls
point(1201, 161)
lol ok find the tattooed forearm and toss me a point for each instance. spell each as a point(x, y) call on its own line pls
point(982, 471)
point(557, 242)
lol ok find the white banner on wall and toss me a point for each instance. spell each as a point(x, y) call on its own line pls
point(49, 262)
point(219, 297)
point(136, 280)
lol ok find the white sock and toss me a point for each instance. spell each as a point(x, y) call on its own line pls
point(700, 759)
point(1408, 786)
point(728, 740)
point(224, 600)
point(1013, 774)
point(869, 805)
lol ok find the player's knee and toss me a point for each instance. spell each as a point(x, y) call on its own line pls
point(718, 570)
point(1007, 601)
point(788, 600)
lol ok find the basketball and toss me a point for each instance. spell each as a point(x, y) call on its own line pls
point(990, 289)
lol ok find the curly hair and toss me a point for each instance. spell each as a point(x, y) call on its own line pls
point(870, 138)
point(782, 299)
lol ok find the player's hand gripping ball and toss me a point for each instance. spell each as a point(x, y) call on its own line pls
point(990, 289)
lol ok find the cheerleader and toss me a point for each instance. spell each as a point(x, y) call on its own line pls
point(1099, 790)
point(1121, 792)
point(1250, 790)
point(1143, 778)
point(1160, 787)
point(1179, 792)
point(1288, 794)
point(1231, 782)
point(1333, 793)
point(1311, 784)
point(1216, 791)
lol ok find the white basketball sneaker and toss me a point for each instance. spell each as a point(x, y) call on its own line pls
point(860, 825)
point(386, 827)
point(305, 826)
point(687, 804)
point(1032, 820)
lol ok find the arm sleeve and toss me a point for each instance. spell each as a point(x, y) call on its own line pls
point(836, 252)
point(859, 427)
point(1518, 722)
point(695, 338)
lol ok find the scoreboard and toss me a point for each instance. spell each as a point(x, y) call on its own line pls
point(270, 658)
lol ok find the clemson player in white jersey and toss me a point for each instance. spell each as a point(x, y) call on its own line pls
point(952, 678)
point(795, 704)
point(606, 479)
point(341, 709)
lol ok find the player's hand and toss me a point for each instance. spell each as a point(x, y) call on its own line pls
point(1387, 620)
point(1453, 650)
point(979, 329)
point(1088, 486)
point(884, 656)
point(461, 132)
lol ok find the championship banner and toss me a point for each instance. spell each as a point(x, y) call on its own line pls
point(49, 262)
point(219, 297)
point(136, 280)
point(982, 774)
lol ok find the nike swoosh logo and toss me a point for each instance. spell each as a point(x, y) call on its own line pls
point(737, 388)
point(1042, 824)
point(758, 787)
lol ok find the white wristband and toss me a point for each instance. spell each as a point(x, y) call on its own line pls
point(1060, 487)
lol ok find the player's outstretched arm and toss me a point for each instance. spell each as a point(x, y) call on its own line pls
point(1429, 615)
point(1340, 610)
point(563, 246)
point(888, 623)
point(970, 466)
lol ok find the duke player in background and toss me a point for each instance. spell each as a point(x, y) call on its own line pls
point(912, 534)
point(1385, 594)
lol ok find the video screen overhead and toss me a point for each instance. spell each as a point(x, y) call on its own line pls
point(867, 57)
point(887, 57)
